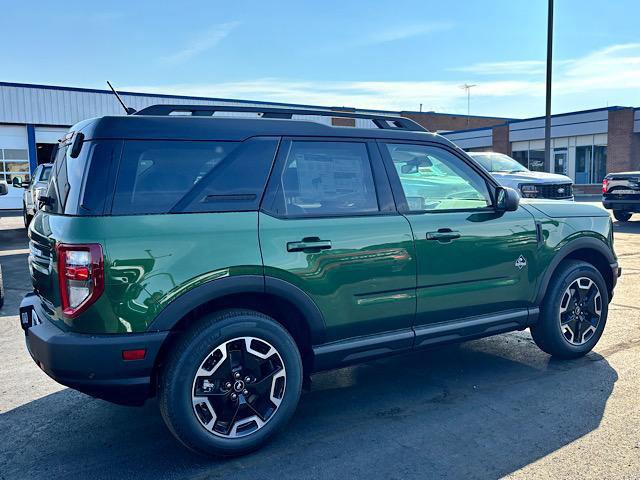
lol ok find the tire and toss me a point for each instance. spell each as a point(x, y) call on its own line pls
point(554, 333)
point(202, 347)
point(621, 216)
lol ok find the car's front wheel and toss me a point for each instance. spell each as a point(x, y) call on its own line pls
point(230, 383)
point(621, 216)
point(574, 311)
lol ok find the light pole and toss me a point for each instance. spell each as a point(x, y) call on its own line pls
point(547, 118)
point(468, 88)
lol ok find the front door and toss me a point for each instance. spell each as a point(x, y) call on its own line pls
point(472, 259)
point(328, 225)
point(560, 161)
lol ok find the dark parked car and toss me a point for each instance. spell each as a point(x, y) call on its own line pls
point(621, 193)
point(217, 262)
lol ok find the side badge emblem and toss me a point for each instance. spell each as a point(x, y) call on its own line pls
point(521, 262)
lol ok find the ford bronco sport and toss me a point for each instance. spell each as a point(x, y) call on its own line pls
point(217, 262)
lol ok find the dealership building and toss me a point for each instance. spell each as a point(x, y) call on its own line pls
point(586, 144)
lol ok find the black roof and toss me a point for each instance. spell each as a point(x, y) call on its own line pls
point(231, 129)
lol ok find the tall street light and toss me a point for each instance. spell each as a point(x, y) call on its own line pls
point(547, 119)
point(468, 87)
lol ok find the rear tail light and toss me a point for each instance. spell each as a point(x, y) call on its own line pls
point(605, 185)
point(80, 276)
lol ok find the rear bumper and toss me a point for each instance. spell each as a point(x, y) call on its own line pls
point(623, 205)
point(92, 364)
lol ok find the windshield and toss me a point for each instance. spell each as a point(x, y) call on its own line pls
point(498, 162)
point(46, 172)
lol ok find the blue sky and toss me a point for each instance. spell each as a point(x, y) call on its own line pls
point(373, 54)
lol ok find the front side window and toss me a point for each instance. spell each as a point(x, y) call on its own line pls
point(324, 179)
point(434, 179)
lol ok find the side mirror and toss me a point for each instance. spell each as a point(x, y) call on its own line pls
point(16, 182)
point(507, 199)
point(3, 188)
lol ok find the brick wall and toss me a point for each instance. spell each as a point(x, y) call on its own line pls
point(439, 121)
point(622, 144)
point(501, 141)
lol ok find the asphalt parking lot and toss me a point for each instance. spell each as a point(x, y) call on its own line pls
point(491, 408)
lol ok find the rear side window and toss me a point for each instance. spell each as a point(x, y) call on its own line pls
point(78, 186)
point(46, 173)
point(192, 176)
point(325, 179)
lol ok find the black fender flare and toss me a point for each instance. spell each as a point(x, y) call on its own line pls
point(238, 284)
point(581, 243)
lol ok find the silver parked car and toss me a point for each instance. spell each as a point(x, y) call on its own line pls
point(509, 173)
point(33, 190)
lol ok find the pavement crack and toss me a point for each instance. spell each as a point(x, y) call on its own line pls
point(632, 307)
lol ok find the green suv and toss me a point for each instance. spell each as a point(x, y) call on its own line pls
point(216, 261)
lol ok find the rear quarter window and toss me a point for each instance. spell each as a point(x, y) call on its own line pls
point(79, 186)
point(192, 176)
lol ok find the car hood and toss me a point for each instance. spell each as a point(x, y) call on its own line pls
point(564, 208)
point(530, 177)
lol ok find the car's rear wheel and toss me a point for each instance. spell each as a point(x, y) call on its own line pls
point(621, 216)
point(574, 311)
point(230, 383)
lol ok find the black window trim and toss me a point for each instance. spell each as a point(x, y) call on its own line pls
point(383, 190)
point(398, 191)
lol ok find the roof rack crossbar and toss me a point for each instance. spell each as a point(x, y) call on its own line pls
point(387, 122)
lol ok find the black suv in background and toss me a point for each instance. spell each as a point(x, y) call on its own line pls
point(621, 193)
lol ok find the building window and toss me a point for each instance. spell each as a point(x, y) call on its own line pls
point(14, 163)
point(522, 157)
point(536, 160)
point(599, 163)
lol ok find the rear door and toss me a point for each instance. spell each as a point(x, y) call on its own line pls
point(328, 225)
point(472, 259)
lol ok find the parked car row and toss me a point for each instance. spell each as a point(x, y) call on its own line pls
point(34, 189)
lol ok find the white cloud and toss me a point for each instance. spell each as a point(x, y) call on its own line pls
point(434, 95)
point(202, 43)
point(591, 80)
point(403, 32)
point(516, 67)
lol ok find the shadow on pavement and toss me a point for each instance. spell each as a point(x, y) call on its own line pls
point(482, 409)
point(632, 226)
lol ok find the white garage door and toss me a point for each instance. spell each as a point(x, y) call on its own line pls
point(14, 162)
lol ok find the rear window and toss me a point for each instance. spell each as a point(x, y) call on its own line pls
point(192, 176)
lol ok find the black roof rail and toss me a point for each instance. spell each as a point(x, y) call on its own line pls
point(388, 122)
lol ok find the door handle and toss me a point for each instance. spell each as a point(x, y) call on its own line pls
point(443, 235)
point(309, 244)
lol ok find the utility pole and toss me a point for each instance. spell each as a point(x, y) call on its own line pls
point(547, 118)
point(468, 88)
